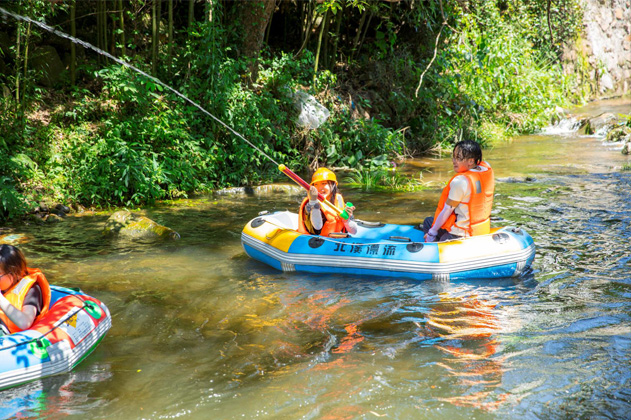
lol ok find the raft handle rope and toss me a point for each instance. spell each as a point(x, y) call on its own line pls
point(328, 239)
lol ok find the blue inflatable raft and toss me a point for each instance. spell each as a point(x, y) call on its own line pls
point(386, 250)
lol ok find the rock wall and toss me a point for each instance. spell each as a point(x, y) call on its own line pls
point(603, 52)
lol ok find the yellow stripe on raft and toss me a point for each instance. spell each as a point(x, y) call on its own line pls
point(277, 237)
point(474, 248)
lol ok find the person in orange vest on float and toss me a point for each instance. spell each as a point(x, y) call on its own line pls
point(464, 208)
point(25, 296)
point(315, 218)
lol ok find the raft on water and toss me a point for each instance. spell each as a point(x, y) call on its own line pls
point(67, 334)
point(387, 250)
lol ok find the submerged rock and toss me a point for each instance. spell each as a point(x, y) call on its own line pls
point(266, 189)
point(291, 189)
point(517, 180)
point(601, 124)
point(13, 238)
point(126, 224)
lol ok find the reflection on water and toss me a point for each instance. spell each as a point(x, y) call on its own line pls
point(202, 331)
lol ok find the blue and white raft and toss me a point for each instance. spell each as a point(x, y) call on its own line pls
point(68, 333)
point(386, 250)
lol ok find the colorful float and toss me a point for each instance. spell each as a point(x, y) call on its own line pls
point(386, 250)
point(67, 334)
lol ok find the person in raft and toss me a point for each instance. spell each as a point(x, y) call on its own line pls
point(317, 218)
point(25, 296)
point(464, 208)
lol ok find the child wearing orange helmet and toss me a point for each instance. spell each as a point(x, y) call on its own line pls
point(317, 218)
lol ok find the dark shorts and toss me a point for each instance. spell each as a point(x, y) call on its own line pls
point(442, 236)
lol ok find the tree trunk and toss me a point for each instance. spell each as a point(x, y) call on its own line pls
point(154, 37)
point(338, 23)
point(309, 24)
point(191, 13)
point(170, 38)
point(209, 9)
point(365, 30)
point(269, 26)
point(104, 25)
point(302, 20)
point(317, 57)
point(359, 32)
point(122, 27)
point(18, 72)
point(99, 28)
point(325, 42)
point(73, 47)
point(253, 16)
point(27, 40)
point(113, 37)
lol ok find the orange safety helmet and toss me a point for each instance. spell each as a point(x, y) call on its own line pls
point(323, 174)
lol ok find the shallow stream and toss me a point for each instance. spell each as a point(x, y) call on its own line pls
point(202, 331)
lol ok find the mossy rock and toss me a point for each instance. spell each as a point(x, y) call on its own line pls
point(619, 134)
point(126, 224)
point(290, 189)
point(53, 218)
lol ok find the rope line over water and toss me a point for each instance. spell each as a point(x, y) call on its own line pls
point(131, 66)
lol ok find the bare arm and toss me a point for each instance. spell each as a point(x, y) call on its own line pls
point(350, 224)
point(440, 220)
point(315, 213)
point(24, 318)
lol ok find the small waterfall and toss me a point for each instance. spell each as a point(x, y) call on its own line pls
point(565, 126)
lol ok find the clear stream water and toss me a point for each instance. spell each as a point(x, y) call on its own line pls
point(202, 331)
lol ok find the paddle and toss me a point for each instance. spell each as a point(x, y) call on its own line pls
point(342, 213)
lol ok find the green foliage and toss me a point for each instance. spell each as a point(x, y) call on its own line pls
point(379, 179)
point(12, 202)
point(547, 32)
point(119, 138)
point(12, 170)
point(140, 151)
point(488, 77)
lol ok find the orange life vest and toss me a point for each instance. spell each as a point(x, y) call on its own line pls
point(332, 221)
point(482, 186)
point(16, 295)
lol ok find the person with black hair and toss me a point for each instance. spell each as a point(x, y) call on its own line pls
point(464, 208)
point(24, 292)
